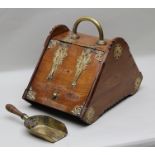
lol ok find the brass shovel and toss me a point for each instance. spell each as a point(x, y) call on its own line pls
point(41, 126)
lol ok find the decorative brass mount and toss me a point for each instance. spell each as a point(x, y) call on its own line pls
point(77, 110)
point(137, 83)
point(60, 54)
point(82, 63)
point(99, 56)
point(117, 51)
point(31, 95)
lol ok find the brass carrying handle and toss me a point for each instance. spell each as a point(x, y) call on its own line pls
point(92, 20)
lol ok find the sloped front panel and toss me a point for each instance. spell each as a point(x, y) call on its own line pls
point(65, 76)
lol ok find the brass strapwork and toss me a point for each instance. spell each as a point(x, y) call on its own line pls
point(60, 54)
point(82, 63)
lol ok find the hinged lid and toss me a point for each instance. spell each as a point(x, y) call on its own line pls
point(83, 40)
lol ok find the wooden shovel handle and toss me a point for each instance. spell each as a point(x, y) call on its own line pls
point(14, 110)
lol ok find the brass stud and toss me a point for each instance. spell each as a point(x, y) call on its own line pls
point(55, 95)
point(117, 51)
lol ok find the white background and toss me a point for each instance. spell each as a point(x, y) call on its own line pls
point(22, 34)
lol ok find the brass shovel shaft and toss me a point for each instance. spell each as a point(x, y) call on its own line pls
point(15, 111)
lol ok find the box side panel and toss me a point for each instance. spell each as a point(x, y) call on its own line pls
point(120, 78)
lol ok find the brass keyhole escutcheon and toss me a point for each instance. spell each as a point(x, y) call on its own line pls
point(117, 51)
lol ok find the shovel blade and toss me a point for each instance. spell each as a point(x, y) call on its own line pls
point(46, 127)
